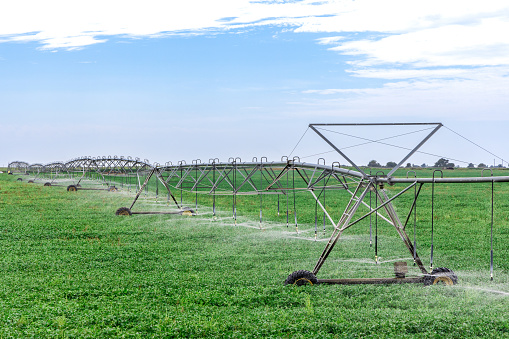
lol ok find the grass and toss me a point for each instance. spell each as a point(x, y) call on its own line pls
point(71, 268)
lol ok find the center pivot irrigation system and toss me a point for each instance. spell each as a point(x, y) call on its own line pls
point(282, 181)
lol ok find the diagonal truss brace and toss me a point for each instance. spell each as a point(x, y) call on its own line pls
point(161, 179)
point(422, 142)
point(353, 205)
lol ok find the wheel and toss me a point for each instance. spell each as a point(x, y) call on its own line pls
point(441, 276)
point(123, 211)
point(47, 184)
point(20, 179)
point(30, 181)
point(71, 188)
point(188, 212)
point(112, 189)
point(300, 278)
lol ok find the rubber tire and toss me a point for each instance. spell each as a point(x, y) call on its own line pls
point(47, 184)
point(30, 181)
point(72, 188)
point(441, 275)
point(188, 212)
point(301, 277)
point(112, 189)
point(123, 211)
point(20, 179)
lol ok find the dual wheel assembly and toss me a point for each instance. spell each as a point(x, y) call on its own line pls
point(301, 277)
point(439, 276)
point(123, 211)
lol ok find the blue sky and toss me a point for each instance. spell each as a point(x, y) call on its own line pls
point(170, 81)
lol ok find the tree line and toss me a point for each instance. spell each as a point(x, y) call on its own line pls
point(441, 163)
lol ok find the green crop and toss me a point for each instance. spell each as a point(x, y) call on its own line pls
point(71, 268)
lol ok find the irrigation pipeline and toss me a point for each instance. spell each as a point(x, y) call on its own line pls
point(235, 178)
point(122, 165)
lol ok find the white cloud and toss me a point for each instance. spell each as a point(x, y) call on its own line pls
point(55, 41)
point(480, 44)
point(451, 93)
point(432, 51)
point(55, 21)
point(330, 40)
point(58, 20)
point(442, 59)
point(418, 34)
point(394, 73)
point(400, 16)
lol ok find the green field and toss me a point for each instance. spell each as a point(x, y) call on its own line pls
point(71, 268)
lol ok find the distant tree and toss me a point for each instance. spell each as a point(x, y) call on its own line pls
point(442, 162)
point(391, 164)
point(408, 165)
point(481, 165)
point(470, 165)
point(500, 166)
point(374, 163)
point(424, 165)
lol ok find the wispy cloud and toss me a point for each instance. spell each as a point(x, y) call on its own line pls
point(451, 93)
point(428, 51)
point(68, 25)
point(479, 44)
point(65, 24)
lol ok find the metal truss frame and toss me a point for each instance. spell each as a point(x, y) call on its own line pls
point(262, 178)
